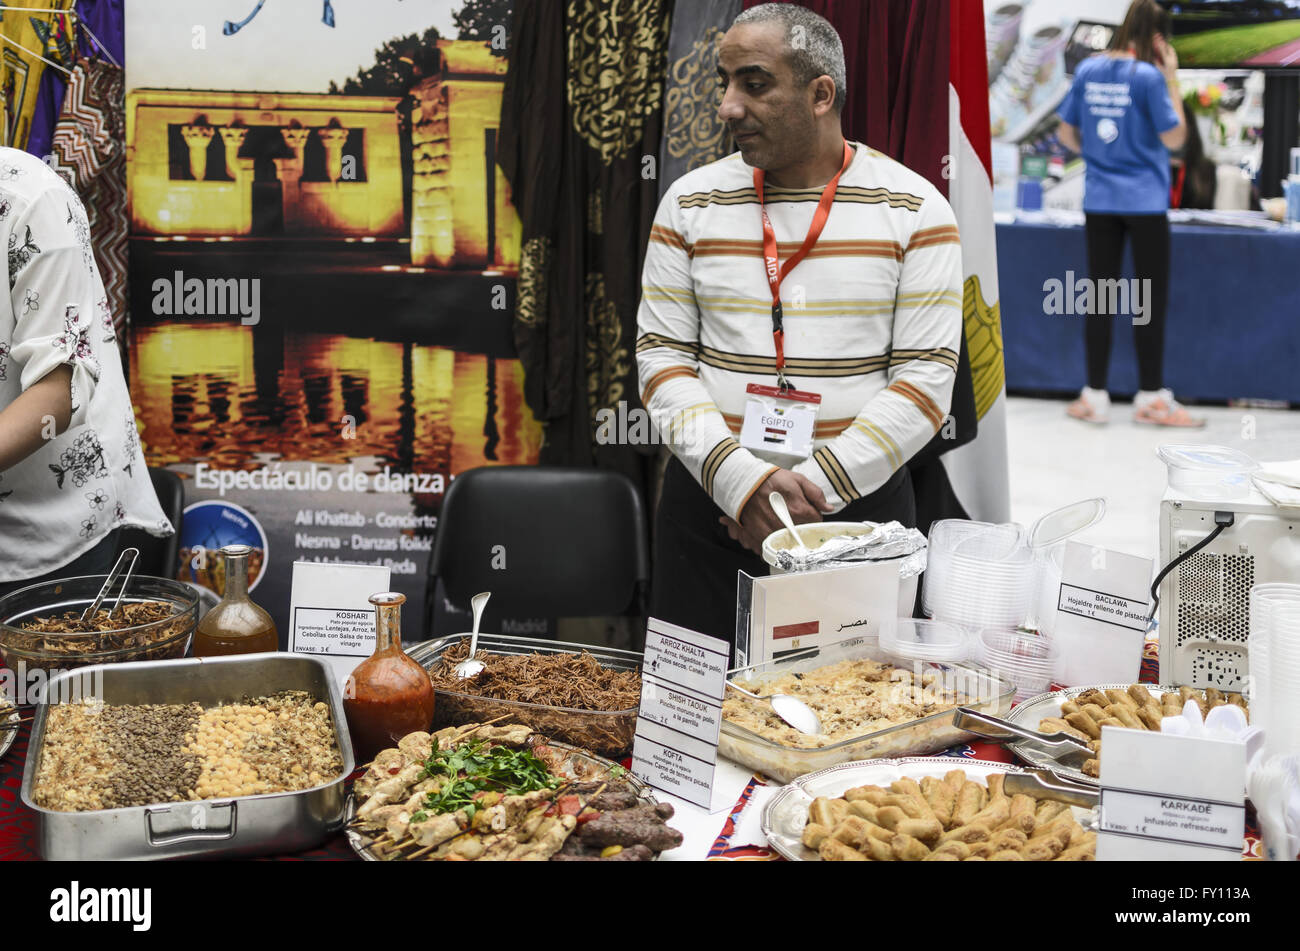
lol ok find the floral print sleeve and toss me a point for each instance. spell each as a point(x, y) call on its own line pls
point(54, 290)
point(91, 478)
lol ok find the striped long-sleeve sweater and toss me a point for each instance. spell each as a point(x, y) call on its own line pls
point(872, 315)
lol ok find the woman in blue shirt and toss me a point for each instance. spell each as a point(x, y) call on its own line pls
point(1123, 114)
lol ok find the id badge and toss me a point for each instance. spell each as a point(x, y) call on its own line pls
point(779, 424)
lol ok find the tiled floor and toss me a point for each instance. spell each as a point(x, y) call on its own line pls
point(1056, 460)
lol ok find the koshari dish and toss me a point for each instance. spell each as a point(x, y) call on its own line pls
point(502, 793)
point(1135, 709)
point(852, 698)
point(112, 756)
point(944, 820)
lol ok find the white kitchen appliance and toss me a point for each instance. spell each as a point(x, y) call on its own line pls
point(1204, 607)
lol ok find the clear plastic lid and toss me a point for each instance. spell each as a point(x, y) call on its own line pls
point(1221, 459)
point(924, 639)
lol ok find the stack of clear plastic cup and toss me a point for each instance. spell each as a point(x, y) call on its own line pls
point(1274, 644)
point(979, 574)
point(1029, 661)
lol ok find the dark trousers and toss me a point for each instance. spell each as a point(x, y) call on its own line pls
point(97, 561)
point(1149, 235)
point(695, 561)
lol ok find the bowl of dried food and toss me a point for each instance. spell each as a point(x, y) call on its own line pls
point(584, 695)
point(41, 626)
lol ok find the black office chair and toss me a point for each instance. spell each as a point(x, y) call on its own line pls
point(547, 542)
point(158, 555)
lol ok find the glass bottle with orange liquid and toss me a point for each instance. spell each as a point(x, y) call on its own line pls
point(236, 625)
point(388, 695)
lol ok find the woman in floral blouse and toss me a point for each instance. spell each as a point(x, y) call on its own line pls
point(71, 470)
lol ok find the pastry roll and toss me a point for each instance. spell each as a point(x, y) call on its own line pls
point(908, 849)
point(852, 831)
point(1120, 697)
point(1126, 715)
point(1022, 813)
point(878, 850)
point(1141, 694)
point(860, 807)
point(941, 857)
point(821, 813)
point(889, 817)
point(1083, 853)
point(1151, 715)
point(1008, 839)
point(969, 801)
point(833, 850)
point(959, 849)
point(1058, 725)
point(1047, 811)
point(1097, 710)
point(1084, 724)
point(1006, 855)
point(955, 779)
point(813, 834)
point(943, 800)
point(926, 830)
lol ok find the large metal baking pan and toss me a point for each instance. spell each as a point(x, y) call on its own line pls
point(244, 825)
point(605, 732)
point(977, 688)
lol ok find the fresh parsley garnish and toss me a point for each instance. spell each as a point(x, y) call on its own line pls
point(474, 768)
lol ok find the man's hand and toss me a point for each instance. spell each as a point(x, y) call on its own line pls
point(806, 503)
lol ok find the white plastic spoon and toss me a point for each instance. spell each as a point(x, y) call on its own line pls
point(777, 501)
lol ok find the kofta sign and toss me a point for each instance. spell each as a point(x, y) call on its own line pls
point(683, 676)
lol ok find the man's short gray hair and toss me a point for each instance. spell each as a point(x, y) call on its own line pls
point(815, 47)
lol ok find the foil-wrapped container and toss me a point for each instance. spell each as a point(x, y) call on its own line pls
point(880, 541)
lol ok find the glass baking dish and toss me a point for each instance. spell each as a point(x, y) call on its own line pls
point(976, 687)
point(608, 733)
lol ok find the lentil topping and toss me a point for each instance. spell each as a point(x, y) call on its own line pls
point(107, 756)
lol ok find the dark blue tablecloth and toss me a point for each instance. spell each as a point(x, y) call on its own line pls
point(1233, 327)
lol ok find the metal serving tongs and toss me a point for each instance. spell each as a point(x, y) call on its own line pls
point(1067, 750)
point(1045, 784)
point(134, 554)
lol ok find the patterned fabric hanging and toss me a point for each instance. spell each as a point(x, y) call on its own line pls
point(580, 131)
point(693, 133)
point(88, 151)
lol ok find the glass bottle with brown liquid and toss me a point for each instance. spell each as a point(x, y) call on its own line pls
point(236, 625)
point(388, 695)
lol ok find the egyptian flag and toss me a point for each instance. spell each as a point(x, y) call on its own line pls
point(977, 470)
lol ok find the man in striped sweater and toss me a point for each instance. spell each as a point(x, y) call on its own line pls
point(870, 317)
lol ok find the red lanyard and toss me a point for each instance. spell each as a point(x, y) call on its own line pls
point(776, 272)
point(1176, 193)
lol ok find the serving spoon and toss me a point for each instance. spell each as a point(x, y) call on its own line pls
point(777, 501)
point(469, 667)
point(790, 709)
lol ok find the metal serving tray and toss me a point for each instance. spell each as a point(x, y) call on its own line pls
point(244, 825)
